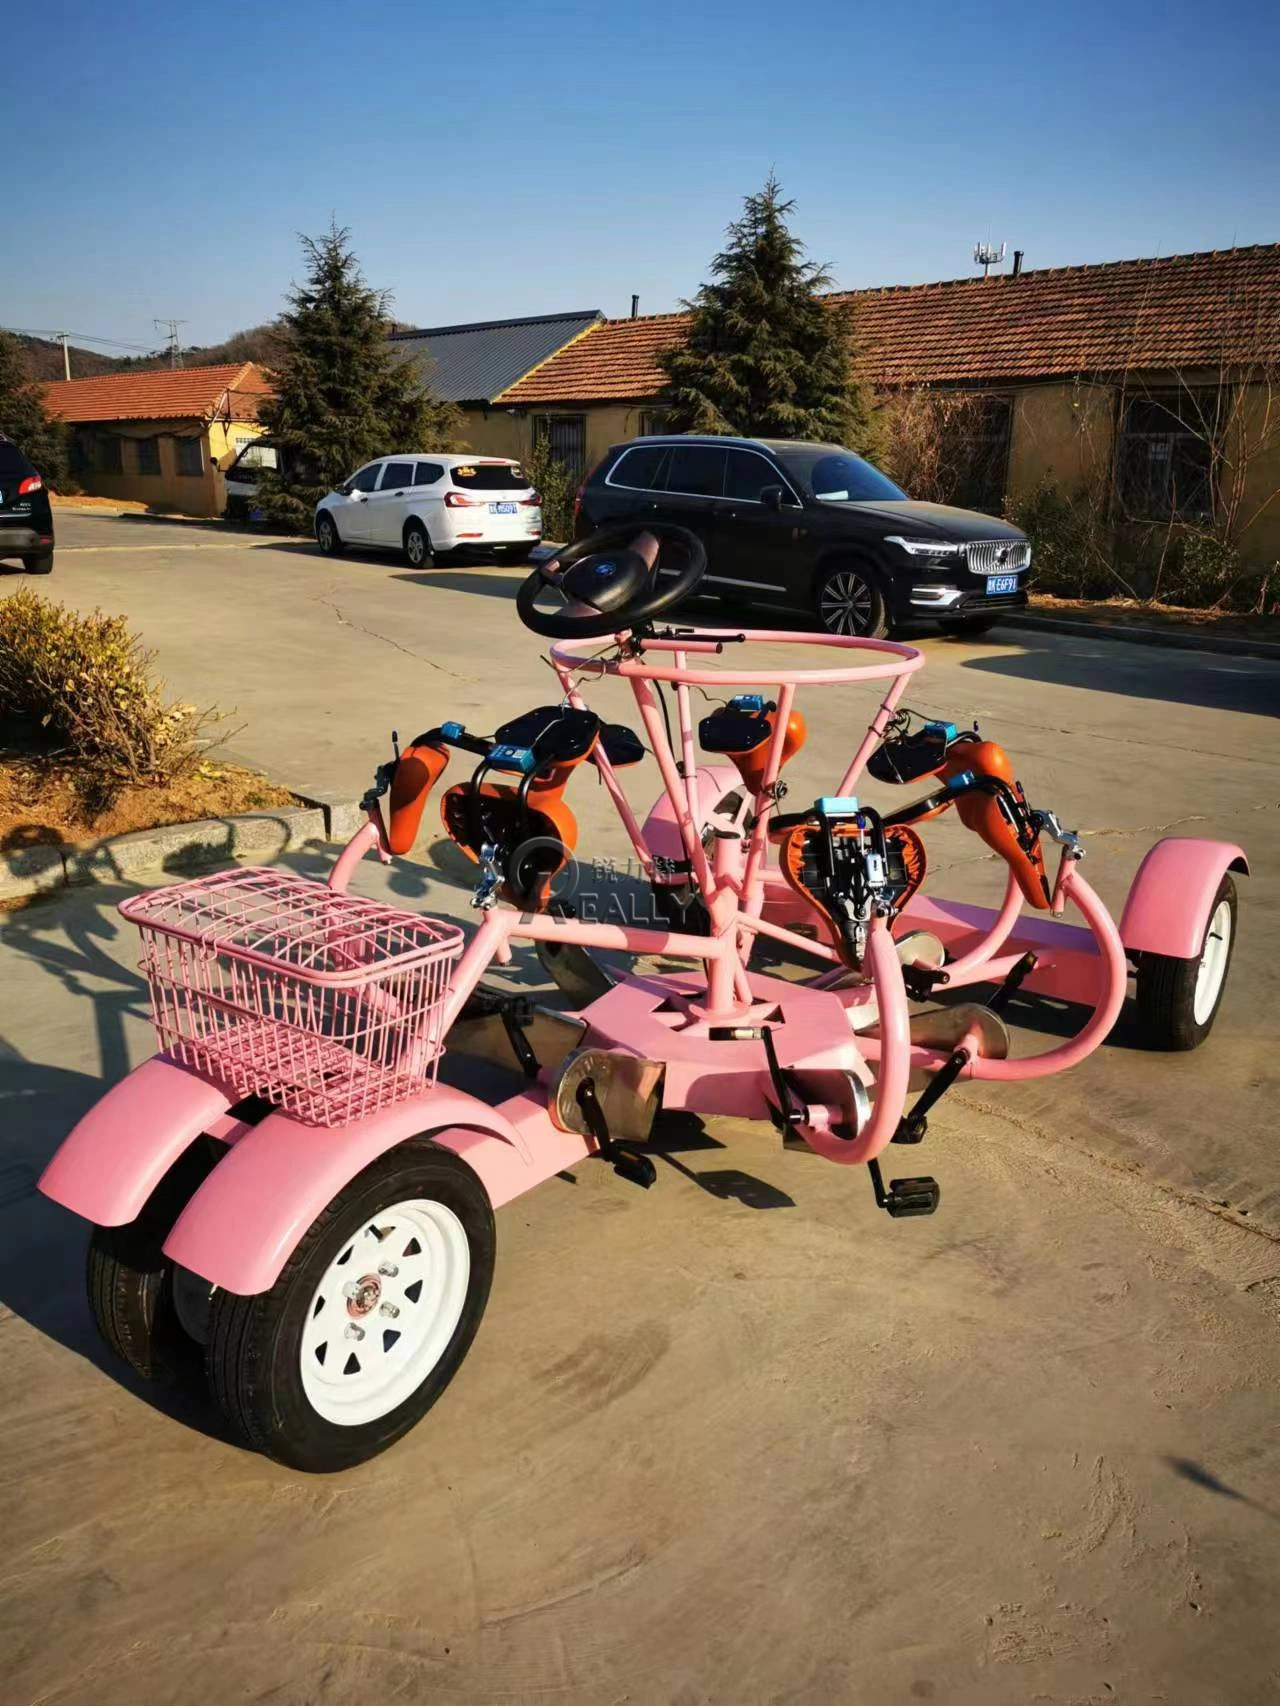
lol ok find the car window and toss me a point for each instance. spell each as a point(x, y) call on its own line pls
point(490, 477)
point(12, 461)
point(639, 470)
point(839, 476)
point(427, 473)
point(748, 474)
point(254, 457)
point(366, 479)
point(696, 470)
point(397, 474)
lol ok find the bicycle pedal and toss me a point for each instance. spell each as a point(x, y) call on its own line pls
point(907, 1197)
point(637, 1169)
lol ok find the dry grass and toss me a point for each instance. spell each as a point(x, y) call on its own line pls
point(1128, 612)
point(46, 802)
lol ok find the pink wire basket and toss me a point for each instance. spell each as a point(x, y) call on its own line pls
point(329, 1005)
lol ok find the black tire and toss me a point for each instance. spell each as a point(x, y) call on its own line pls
point(255, 1352)
point(972, 627)
point(327, 536)
point(847, 600)
point(417, 545)
point(41, 565)
point(1165, 995)
point(130, 1280)
point(681, 908)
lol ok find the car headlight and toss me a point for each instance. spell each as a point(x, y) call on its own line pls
point(925, 547)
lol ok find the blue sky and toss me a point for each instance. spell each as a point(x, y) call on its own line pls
point(520, 158)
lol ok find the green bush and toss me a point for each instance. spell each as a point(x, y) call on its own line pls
point(88, 682)
point(558, 487)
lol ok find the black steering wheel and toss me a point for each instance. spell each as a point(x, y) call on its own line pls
point(614, 580)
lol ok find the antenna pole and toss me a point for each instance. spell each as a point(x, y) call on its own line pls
point(62, 338)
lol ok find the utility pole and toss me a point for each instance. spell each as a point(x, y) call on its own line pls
point(170, 329)
point(66, 353)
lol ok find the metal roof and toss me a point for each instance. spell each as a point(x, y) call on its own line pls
point(472, 364)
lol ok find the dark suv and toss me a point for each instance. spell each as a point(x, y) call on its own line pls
point(26, 521)
point(814, 529)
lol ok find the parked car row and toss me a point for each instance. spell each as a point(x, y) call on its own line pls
point(26, 520)
point(811, 529)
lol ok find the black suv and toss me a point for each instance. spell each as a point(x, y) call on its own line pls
point(814, 529)
point(26, 521)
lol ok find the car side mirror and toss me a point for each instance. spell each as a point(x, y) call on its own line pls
point(771, 497)
point(344, 490)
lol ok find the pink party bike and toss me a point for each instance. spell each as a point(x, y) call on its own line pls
point(286, 1197)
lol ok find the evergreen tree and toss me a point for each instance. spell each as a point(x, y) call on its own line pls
point(343, 393)
point(765, 356)
point(23, 418)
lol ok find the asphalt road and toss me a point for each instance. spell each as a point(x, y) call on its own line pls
point(737, 1438)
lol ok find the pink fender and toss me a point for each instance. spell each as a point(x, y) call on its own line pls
point(1168, 905)
point(242, 1225)
point(118, 1153)
point(661, 831)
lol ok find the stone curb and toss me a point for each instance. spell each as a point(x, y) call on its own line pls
point(178, 848)
point(1177, 639)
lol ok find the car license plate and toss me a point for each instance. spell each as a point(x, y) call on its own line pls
point(502, 509)
point(1002, 583)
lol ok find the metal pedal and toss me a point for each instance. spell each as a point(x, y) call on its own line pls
point(625, 1161)
point(904, 1197)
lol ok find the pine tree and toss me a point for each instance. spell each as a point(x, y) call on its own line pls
point(765, 355)
point(343, 394)
point(22, 415)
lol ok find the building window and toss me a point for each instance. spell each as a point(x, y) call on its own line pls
point(653, 423)
point(148, 454)
point(565, 436)
point(1166, 455)
point(110, 453)
point(190, 456)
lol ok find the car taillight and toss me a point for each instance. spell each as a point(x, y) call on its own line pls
point(533, 501)
point(32, 483)
point(460, 500)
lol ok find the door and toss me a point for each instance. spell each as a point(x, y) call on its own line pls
point(694, 493)
point(350, 508)
point(755, 543)
point(388, 507)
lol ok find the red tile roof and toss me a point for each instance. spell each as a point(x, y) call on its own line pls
point(166, 393)
point(1182, 311)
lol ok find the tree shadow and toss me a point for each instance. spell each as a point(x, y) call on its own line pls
point(1210, 680)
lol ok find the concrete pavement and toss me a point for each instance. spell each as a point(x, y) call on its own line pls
point(738, 1438)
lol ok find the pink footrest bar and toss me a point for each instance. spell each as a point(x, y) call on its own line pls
point(327, 1004)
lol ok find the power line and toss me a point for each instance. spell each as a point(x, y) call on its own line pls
point(80, 337)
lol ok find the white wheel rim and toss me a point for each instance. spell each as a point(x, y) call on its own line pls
point(846, 604)
point(1213, 963)
point(385, 1311)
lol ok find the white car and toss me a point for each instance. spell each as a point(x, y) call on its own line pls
point(425, 505)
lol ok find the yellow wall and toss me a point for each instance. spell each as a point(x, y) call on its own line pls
point(182, 494)
point(1062, 432)
point(494, 432)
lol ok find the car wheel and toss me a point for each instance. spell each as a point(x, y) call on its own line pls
point(417, 546)
point(849, 602)
point(1178, 1000)
point(973, 627)
point(41, 565)
point(369, 1320)
point(327, 537)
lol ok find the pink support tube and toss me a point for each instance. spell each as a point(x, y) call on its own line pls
point(874, 735)
point(961, 970)
point(894, 1055)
